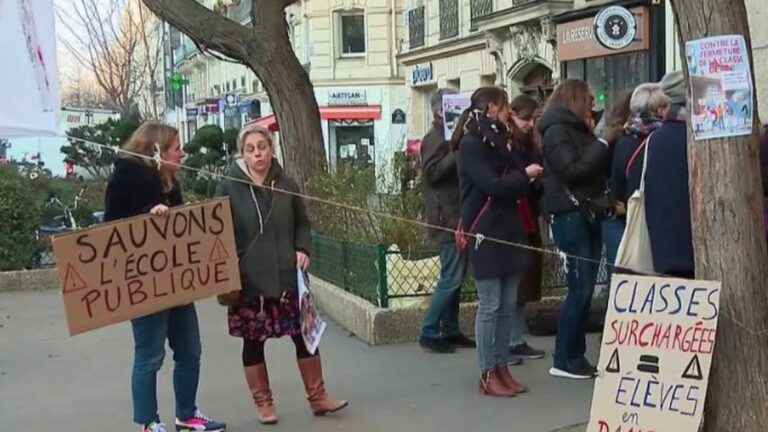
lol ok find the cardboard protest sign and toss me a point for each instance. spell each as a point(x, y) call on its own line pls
point(721, 87)
point(134, 267)
point(312, 326)
point(655, 355)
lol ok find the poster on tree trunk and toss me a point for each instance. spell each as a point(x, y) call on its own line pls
point(655, 355)
point(721, 87)
point(134, 267)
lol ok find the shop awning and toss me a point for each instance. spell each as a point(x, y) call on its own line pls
point(372, 112)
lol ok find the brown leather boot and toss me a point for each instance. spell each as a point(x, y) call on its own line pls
point(258, 382)
point(312, 374)
point(508, 380)
point(491, 385)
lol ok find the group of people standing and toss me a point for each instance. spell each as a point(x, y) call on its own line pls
point(272, 237)
point(508, 163)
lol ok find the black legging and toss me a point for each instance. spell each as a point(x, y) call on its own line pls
point(253, 352)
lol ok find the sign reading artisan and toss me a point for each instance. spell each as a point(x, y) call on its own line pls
point(134, 267)
point(656, 354)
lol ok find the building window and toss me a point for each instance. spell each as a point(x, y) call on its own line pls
point(227, 87)
point(481, 8)
point(449, 19)
point(242, 81)
point(234, 84)
point(255, 86)
point(416, 27)
point(611, 77)
point(352, 33)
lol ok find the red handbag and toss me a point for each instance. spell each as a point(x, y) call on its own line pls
point(461, 237)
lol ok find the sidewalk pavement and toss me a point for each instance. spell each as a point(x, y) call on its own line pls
point(50, 381)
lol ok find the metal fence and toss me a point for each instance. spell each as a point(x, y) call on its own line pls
point(380, 274)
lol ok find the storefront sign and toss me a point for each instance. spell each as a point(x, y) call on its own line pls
point(655, 354)
point(721, 85)
point(398, 116)
point(347, 97)
point(578, 40)
point(192, 113)
point(422, 74)
point(615, 27)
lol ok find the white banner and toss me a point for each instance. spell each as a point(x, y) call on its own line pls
point(29, 79)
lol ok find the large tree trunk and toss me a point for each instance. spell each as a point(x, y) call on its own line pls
point(266, 49)
point(729, 242)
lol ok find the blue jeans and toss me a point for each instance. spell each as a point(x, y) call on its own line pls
point(178, 325)
point(576, 236)
point(443, 314)
point(496, 315)
point(613, 231)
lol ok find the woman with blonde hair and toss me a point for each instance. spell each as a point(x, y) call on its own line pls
point(144, 181)
point(272, 234)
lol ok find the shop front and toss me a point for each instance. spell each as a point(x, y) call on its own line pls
point(464, 66)
point(349, 127)
point(614, 47)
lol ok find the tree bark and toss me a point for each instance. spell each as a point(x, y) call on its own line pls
point(264, 47)
point(729, 241)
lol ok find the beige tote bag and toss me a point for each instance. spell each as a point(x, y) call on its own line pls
point(635, 248)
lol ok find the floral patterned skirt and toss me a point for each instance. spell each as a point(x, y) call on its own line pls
point(266, 318)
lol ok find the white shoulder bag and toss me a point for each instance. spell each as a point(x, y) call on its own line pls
point(635, 248)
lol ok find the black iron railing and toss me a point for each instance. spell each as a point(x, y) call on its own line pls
point(416, 27)
point(449, 18)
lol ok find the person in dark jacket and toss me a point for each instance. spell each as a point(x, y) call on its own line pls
point(526, 151)
point(491, 185)
point(272, 236)
point(576, 164)
point(667, 197)
point(440, 330)
point(137, 186)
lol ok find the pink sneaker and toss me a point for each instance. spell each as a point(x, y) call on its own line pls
point(200, 422)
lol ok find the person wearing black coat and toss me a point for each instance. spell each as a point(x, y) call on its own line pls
point(491, 185)
point(576, 166)
point(526, 151)
point(140, 186)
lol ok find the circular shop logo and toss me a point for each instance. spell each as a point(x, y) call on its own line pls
point(615, 27)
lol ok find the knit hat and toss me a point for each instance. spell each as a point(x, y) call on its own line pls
point(673, 85)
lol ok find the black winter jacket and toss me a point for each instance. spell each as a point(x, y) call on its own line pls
point(270, 227)
point(134, 188)
point(572, 156)
point(440, 183)
point(488, 171)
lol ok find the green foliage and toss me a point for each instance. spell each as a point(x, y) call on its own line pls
point(206, 151)
point(95, 160)
point(357, 188)
point(20, 213)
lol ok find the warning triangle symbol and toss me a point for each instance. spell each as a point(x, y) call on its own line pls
point(614, 366)
point(218, 251)
point(72, 280)
point(693, 370)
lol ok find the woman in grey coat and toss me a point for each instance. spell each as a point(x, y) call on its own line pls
point(272, 234)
